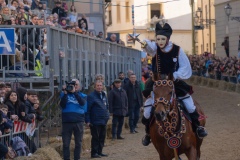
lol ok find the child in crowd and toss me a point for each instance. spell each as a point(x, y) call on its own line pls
point(8, 87)
point(6, 124)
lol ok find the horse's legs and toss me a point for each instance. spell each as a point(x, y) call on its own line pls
point(162, 157)
point(191, 153)
point(199, 143)
point(198, 153)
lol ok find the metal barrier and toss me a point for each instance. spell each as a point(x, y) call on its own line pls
point(32, 142)
point(84, 57)
point(81, 57)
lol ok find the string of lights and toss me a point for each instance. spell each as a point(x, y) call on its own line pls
point(125, 6)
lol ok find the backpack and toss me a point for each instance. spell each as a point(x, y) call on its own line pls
point(19, 146)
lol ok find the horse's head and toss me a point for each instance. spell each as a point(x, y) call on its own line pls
point(163, 92)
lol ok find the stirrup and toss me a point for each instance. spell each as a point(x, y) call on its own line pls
point(198, 128)
point(146, 140)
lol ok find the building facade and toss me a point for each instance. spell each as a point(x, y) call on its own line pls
point(176, 13)
point(93, 9)
point(205, 16)
point(225, 27)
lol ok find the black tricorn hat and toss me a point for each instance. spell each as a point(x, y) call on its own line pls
point(147, 92)
point(164, 30)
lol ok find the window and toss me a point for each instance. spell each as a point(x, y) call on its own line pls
point(127, 12)
point(155, 10)
point(109, 15)
point(214, 48)
point(118, 14)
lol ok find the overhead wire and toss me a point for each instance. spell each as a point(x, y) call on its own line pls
point(125, 6)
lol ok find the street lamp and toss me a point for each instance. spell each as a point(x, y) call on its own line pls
point(198, 15)
point(228, 11)
point(196, 19)
point(199, 12)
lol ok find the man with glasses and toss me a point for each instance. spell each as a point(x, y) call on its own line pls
point(74, 107)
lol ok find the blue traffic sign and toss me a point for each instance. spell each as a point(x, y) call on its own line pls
point(7, 41)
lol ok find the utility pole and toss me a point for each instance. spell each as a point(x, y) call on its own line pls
point(210, 27)
point(203, 43)
point(193, 31)
point(103, 18)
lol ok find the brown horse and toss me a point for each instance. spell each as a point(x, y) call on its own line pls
point(171, 129)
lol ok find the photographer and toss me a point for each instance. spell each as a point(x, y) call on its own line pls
point(74, 106)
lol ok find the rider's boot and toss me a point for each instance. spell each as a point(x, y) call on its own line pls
point(201, 132)
point(146, 139)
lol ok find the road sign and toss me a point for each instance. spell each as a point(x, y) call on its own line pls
point(7, 41)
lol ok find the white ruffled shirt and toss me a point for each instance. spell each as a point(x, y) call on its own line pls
point(184, 71)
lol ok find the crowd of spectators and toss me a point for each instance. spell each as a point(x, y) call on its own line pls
point(31, 42)
point(206, 65)
point(22, 12)
point(19, 109)
point(212, 66)
point(123, 98)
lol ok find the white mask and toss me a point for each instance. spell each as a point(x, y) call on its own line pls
point(161, 41)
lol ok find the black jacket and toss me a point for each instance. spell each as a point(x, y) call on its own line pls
point(30, 111)
point(31, 37)
point(118, 102)
point(130, 94)
point(61, 13)
point(14, 109)
point(17, 109)
point(149, 83)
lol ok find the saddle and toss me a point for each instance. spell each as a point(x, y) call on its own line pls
point(184, 109)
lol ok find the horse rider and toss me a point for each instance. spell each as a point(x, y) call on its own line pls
point(170, 59)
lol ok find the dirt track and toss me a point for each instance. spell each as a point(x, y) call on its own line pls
point(222, 143)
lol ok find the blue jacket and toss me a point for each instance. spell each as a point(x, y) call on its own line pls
point(97, 113)
point(74, 107)
point(5, 125)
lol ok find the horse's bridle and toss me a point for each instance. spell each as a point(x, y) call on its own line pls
point(162, 100)
point(165, 102)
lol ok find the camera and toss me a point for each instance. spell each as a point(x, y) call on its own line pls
point(70, 86)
